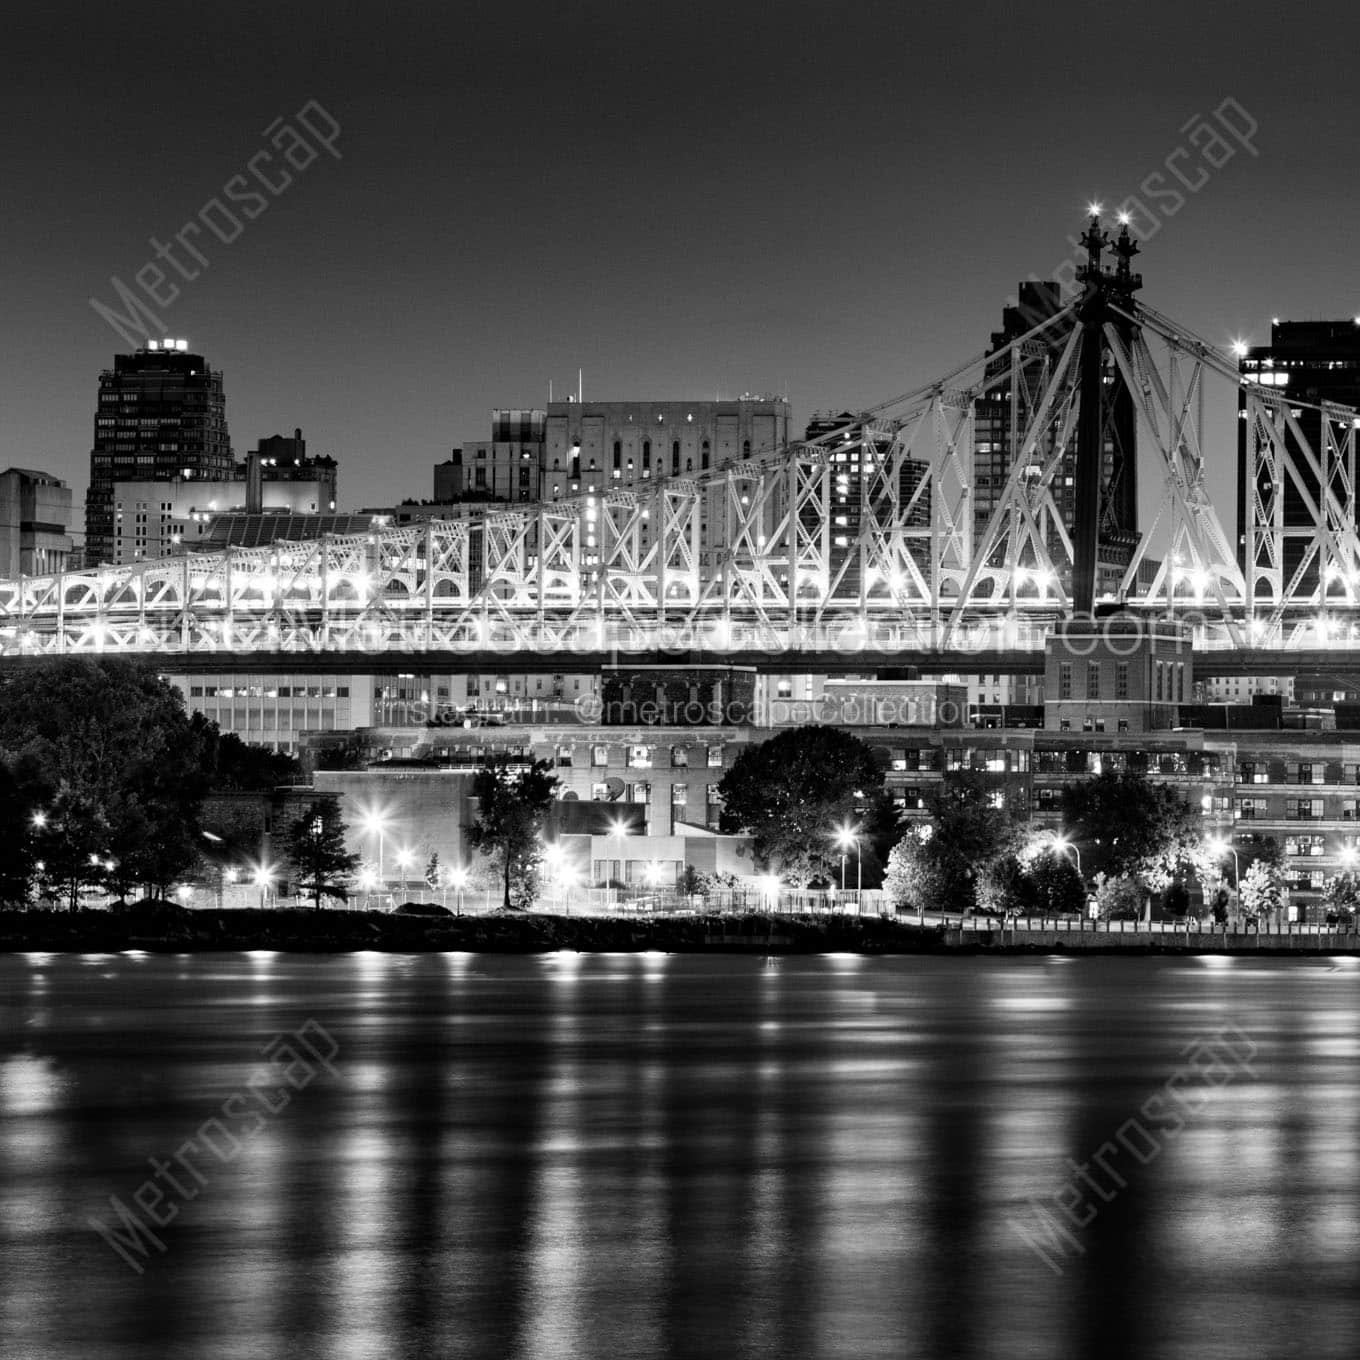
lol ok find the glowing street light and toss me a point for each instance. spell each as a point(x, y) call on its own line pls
point(458, 881)
point(376, 824)
point(1062, 845)
point(368, 880)
point(40, 820)
point(263, 878)
point(846, 836)
point(1219, 847)
point(769, 886)
point(1348, 855)
point(405, 858)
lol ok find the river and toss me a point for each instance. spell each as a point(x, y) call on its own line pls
point(642, 1156)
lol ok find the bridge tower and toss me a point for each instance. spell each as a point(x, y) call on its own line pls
point(1106, 502)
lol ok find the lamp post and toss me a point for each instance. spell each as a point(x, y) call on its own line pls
point(1220, 846)
point(555, 858)
point(367, 880)
point(263, 878)
point(619, 828)
point(375, 823)
point(847, 836)
point(405, 858)
point(458, 880)
point(1062, 845)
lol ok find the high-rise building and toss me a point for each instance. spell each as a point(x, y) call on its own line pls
point(593, 447)
point(506, 467)
point(1002, 415)
point(161, 414)
point(857, 486)
point(35, 524)
point(1308, 361)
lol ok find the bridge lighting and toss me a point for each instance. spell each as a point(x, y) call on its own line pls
point(1093, 208)
point(1239, 349)
point(361, 581)
point(1124, 219)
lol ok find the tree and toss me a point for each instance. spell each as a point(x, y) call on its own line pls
point(123, 765)
point(1057, 886)
point(792, 793)
point(316, 848)
point(1340, 897)
point(915, 878)
point(1261, 891)
point(434, 873)
point(1119, 897)
point(22, 796)
point(233, 765)
point(1142, 830)
point(512, 802)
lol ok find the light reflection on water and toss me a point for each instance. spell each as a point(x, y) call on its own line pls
point(642, 1155)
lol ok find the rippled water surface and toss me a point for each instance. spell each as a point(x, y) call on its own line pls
point(643, 1156)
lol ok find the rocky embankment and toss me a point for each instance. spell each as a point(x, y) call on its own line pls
point(177, 930)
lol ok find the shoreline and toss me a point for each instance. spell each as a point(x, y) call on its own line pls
point(304, 931)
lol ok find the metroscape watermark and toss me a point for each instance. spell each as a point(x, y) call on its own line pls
point(1159, 199)
point(160, 287)
point(1212, 1062)
point(846, 634)
point(180, 1178)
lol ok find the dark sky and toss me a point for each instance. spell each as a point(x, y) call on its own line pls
point(679, 199)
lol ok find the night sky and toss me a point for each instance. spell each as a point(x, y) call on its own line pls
point(682, 200)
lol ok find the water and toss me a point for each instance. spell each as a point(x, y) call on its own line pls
point(646, 1156)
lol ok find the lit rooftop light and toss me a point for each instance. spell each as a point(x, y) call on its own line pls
point(1239, 349)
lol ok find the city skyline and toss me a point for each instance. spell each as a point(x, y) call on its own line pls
point(807, 208)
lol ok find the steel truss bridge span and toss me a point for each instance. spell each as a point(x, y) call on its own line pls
point(750, 559)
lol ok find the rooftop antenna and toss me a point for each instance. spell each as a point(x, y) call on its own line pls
point(580, 387)
point(549, 391)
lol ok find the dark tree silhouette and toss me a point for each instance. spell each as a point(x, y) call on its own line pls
point(123, 766)
point(793, 792)
point(316, 848)
point(511, 804)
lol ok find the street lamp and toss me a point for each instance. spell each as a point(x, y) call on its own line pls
point(405, 858)
point(264, 877)
point(458, 880)
point(368, 880)
point(847, 836)
point(618, 827)
point(769, 888)
point(1221, 847)
point(40, 820)
point(376, 823)
point(1062, 845)
point(555, 859)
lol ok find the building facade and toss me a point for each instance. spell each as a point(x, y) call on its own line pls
point(592, 448)
point(35, 523)
point(161, 414)
point(1310, 361)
